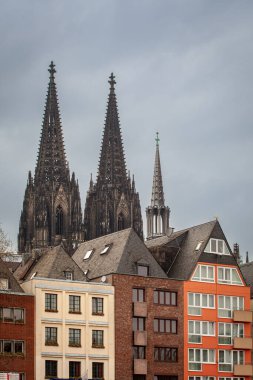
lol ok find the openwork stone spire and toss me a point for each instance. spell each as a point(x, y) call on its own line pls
point(112, 203)
point(51, 165)
point(157, 214)
point(112, 167)
point(52, 207)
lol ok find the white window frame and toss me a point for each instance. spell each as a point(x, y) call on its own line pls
point(235, 329)
point(202, 304)
point(227, 312)
point(231, 378)
point(201, 277)
point(223, 251)
point(228, 270)
point(231, 362)
point(88, 254)
point(199, 326)
point(201, 359)
point(203, 378)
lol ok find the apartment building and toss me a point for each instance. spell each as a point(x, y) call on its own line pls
point(73, 318)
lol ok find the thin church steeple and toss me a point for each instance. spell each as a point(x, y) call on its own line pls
point(157, 214)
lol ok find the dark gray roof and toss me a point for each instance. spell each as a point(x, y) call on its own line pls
point(247, 272)
point(13, 285)
point(163, 240)
point(52, 263)
point(125, 252)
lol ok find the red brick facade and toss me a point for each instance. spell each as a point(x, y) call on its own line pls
point(124, 336)
point(18, 331)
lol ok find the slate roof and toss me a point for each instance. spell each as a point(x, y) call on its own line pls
point(125, 252)
point(13, 285)
point(52, 263)
point(247, 272)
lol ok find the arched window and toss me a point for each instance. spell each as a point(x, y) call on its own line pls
point(121, 222)
point(59, 221)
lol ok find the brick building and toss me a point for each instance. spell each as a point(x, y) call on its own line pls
point(16, 329)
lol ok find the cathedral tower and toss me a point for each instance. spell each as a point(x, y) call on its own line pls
point(52, 206)
point(112, 203)
point(157, 214)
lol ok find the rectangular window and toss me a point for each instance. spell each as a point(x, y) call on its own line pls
point(98, 338)
point(75, 337)
point(229, 276)
point(197, 356)
point(50, 368)
point(204, 273)
point(68, 275)
point(142, 270)
point(165, 325)
point(12, 347)
point(74, 304)
point(98, 370)
point(227, 304)
point(11, 314)
point(51, 336)
point(164, 297)
point(138, 324)
point(74, 369)
point(165, 354)
point(97, 306)
point(203, 378)
point(4, 283)
point(139, 352)
point(227, 358)
point(50, 302)
point(138, 295)
point(231, 378)
point(227, 331)
point(199, 301)
point(197, 329)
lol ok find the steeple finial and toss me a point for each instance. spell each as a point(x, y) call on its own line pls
point(52, 70)
point(157, 138)
point(112, 82)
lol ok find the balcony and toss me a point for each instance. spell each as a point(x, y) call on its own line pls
point(243, 370)
point(243, 343)
point(242, 316)
point(140, 338)
point(140, 309)
point(140, 367)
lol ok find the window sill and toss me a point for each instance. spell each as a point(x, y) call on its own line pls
point(98, 346)
point(75, 312)
point(99, 314)
point(74, 345)
point(51, 344)
point(51, 311)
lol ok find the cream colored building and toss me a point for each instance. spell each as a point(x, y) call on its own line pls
point(74, 323)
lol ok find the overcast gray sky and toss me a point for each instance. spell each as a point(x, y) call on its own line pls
point(183, 68)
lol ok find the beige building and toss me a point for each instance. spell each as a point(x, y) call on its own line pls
point(74, 319)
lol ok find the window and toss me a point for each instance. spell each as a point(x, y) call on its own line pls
point(197, 301)
point(97, 306)
point(231, 378)
point(165, 354)
point(142, 270)
point(203, 273)
point(138, 324)
point(139, 352)
point(97, 338)
point(226, 305)
point(229, 276)
point(68, 275)
point(228, 357)
point(88, 254)
point(74, 369)
point(12, 375)
point(217, 246)
point(51, 302)
point(165, 325)
point(12, 347)
point(74, 304)
point(227, 331)
point(197, 329)
point(138, 295)
point(4, 283)
point(98, 370)
point(59, 221)
point(75, 337)
point(50, 368)
point(11, 314)
point(106, 249)
point(202, 378)
point(164, 297)
point(51, 336)
point(197, 356)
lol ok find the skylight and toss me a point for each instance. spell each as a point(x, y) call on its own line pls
point(198, 246)
point(106, 249)
point(88, 254)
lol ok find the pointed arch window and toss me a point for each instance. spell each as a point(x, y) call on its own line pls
point(121, 222)
point(59, 221)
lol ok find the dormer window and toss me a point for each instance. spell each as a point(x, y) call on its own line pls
point(142, 270)
point(4, 283)
point(217, 246)
point(88, 254)
point(68, 275)
point(106, 249)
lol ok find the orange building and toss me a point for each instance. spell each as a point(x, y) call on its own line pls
point(217, 317)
